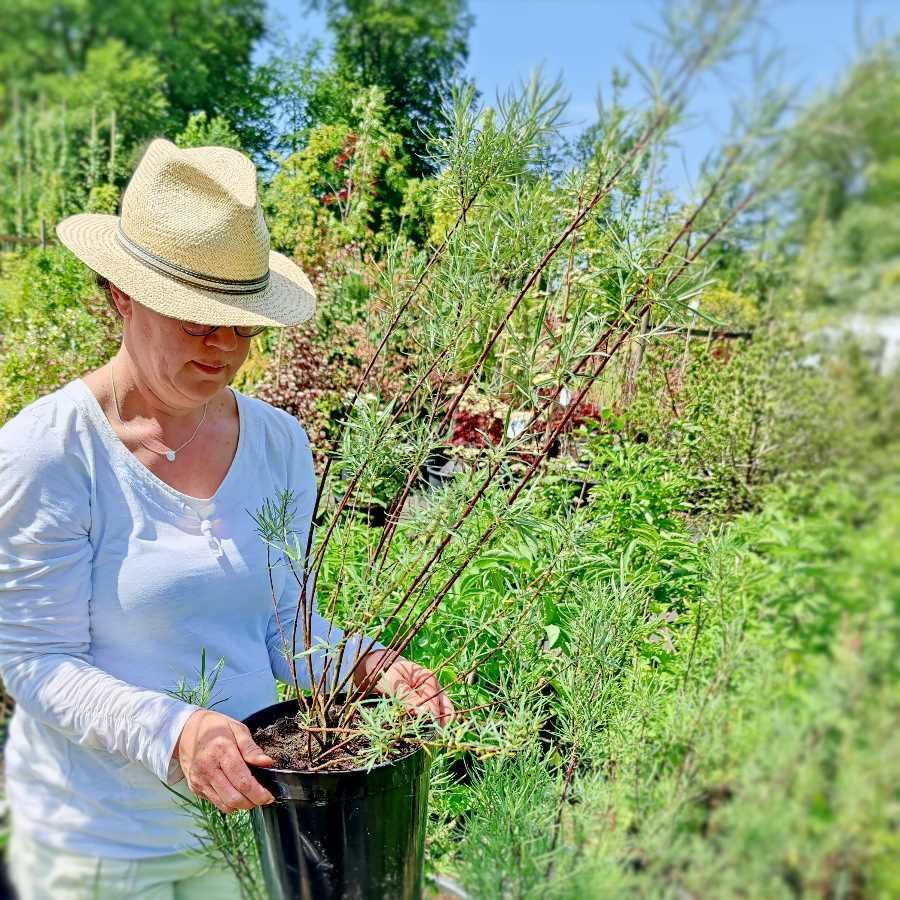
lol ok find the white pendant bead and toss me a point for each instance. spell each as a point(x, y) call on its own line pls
point(170, 455)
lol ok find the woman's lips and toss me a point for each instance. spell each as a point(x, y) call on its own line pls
point(211, 370)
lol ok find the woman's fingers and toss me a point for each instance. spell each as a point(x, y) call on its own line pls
point(248, 748)
point(209, 793)
point(230, 797)
point(412, 700)
point(447, 712)
point(242, 781)
point(419, 690)
point(436, 701)
point(402, 691)
point(214, 750)
point(429, 690)
point(427, 696)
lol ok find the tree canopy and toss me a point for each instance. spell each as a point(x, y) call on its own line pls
point(202, 52)
point(411, 49)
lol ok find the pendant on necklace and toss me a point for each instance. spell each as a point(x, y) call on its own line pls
point(170, 455)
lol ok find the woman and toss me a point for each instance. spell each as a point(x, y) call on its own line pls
point(127, 548)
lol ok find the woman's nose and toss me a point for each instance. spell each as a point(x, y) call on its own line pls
point(224, 337)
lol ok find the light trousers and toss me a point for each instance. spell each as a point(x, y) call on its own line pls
point(39, 872)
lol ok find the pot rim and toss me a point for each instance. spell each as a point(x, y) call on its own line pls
point(419, 748)
point(322, 772)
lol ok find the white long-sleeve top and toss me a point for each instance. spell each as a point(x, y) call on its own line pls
point(111, 584)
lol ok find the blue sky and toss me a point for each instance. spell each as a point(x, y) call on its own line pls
point(584, 40)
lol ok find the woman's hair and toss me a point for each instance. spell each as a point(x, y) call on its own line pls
point(103, 285)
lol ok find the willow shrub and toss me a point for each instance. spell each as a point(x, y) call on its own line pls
point(624, 573)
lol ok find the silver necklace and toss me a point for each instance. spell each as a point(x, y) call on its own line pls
point(168, 454)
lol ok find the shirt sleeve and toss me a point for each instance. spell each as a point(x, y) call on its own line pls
point(45, 593)
point(287, 608)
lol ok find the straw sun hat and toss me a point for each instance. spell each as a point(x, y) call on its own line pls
point(191, 242)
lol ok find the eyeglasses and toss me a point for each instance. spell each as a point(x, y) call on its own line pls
point(244, 331)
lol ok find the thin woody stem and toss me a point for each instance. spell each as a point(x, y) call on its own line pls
point(404, 643)
point(579, 220)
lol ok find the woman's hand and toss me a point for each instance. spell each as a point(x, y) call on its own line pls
point(214, 750)
point(415, 685)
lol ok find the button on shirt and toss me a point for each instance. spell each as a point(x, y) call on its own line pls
point(111, 584)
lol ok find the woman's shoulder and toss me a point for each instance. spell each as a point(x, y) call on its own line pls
point(45, 438)
point(53, 418)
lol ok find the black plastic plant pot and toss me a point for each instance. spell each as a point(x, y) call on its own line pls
point(371, 512)
point(352, 835)
point(434, 471)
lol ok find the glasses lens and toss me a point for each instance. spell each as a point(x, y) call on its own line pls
point(249, 330)
point(197, 329)
point(245, 331)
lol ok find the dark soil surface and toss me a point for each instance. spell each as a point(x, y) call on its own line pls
point(294, 748)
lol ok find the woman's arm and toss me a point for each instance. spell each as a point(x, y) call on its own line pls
point(45, 589)
point(279, 640)
point(279, 637)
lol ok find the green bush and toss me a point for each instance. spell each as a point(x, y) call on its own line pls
point(54, 326)
point(742, 415)
point(757, 762)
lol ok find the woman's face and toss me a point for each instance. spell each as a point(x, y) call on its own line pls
point(181, 370)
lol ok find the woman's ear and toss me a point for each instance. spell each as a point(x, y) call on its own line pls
point(122, 301)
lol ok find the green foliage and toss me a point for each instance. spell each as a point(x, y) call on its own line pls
point(200, 693)
point(389, 454)
point(115, 79)
point(53, 327)
point(201, 132)
point(743, 414)
point(66, 150)
point(675, 768)
point(843, 237)
point(340, 188)
point(382, 722)
point(103, 198)
point(412, 50)
point(202, 53)
point(508, 842)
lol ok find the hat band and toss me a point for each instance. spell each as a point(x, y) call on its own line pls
point(207, 282)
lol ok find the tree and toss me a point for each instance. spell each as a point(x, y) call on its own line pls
point(843, 237)
point(340, 189)
point(305, 93)
point(74, 145)
point(200, 132)
point(412, 49)
point(203, 51)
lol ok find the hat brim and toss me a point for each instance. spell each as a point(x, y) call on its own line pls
point(289, 298)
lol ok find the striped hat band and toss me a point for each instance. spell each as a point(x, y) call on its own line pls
point(207, 282)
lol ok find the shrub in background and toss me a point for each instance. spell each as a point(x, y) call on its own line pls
point(54, 326)
point(310, 373)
